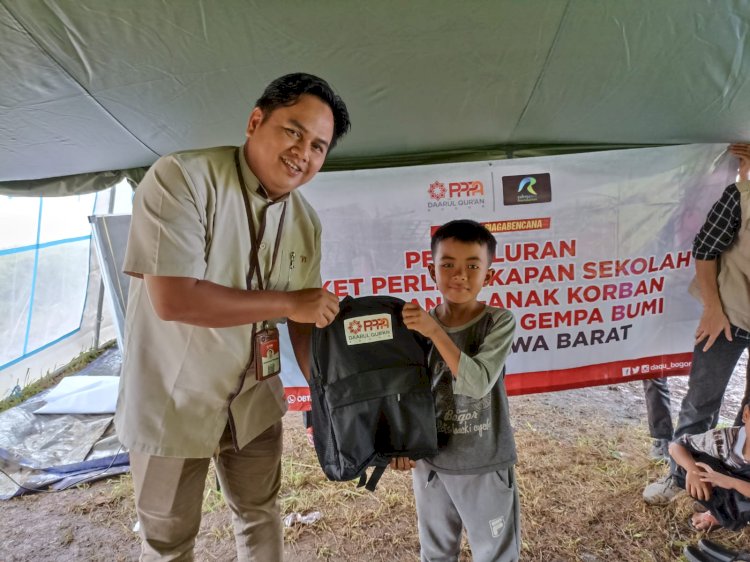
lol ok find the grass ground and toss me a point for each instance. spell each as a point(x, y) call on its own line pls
point(580, 497)
point(581, 471)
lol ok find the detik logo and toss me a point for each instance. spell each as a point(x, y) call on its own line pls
point(354, 327)
point(528, 183)
point(437, 190)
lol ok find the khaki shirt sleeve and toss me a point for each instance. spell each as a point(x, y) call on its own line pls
point(168, 229)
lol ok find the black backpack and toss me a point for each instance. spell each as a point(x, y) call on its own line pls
point(370, 391)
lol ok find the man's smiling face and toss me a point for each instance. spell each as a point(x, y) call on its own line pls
point(286, 148)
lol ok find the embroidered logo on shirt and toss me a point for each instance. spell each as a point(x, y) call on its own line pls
point(367, 329)
point(497, 525)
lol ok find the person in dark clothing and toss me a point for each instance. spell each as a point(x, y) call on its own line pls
point(715, 471)
point(722, 284)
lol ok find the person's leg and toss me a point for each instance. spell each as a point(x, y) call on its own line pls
point(307, 420)
point(707, 382)
point(709, 375)
point(489, 508)
point(168, 499)
point(659, 416)
point(656, 392)
point(437, 519)
point(745, 398)
point(250, 480)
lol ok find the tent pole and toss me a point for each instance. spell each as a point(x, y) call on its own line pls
point(100, 300)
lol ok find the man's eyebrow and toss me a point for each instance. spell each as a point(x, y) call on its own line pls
point(302, 128)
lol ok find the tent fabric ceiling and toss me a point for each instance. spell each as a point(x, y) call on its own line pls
point(93, 85)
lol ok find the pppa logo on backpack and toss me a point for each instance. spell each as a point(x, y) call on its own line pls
point(366, 329)
point(370, 391)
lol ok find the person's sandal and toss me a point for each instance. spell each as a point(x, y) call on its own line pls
point(721, 553)
point(694, 554)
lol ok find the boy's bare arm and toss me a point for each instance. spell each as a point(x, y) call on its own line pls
point(417, 319)
point(714, 478)
point(694, 485)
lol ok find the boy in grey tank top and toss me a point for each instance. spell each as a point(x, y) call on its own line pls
point(470, 483)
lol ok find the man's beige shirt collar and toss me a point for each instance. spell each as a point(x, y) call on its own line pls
point(253, 183)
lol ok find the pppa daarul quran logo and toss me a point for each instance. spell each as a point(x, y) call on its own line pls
point(437, 190)
point(457, 194)
point(366, 329)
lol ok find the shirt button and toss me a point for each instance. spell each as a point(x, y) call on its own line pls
point(262, 245)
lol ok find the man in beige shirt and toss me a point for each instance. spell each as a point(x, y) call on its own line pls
point(221, 247)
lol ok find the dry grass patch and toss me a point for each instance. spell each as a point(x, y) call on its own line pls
point(581, 494)
point(580, 482)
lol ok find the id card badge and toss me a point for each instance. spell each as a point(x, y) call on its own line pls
point(267, 355)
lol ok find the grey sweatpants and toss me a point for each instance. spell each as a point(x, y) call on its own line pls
point(486, 504)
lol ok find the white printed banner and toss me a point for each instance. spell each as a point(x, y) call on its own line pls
point(593, 251)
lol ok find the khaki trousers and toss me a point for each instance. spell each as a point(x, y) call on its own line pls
point(169, 495)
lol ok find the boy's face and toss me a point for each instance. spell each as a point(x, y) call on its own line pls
point(460, 270)
point(746, 417)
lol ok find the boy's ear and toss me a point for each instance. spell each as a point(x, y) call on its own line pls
point(488, 277)
point(745, 413)
point(431, 269)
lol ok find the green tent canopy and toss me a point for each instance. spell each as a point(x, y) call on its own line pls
point(95, 86)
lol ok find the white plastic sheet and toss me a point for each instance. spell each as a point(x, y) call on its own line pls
point(82, 395)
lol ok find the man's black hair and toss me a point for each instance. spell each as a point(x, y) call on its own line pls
point(286, 90)
point(465, 230)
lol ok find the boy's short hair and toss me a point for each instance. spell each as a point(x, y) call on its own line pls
point(468, 231)
point(287, 89)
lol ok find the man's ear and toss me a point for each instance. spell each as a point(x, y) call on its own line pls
point(256, 118)
point(431, 269)
point(488, 277)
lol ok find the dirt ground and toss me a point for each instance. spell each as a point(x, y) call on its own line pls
point(582, 464)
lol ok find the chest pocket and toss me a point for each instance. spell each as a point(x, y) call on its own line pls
point(294, 268)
